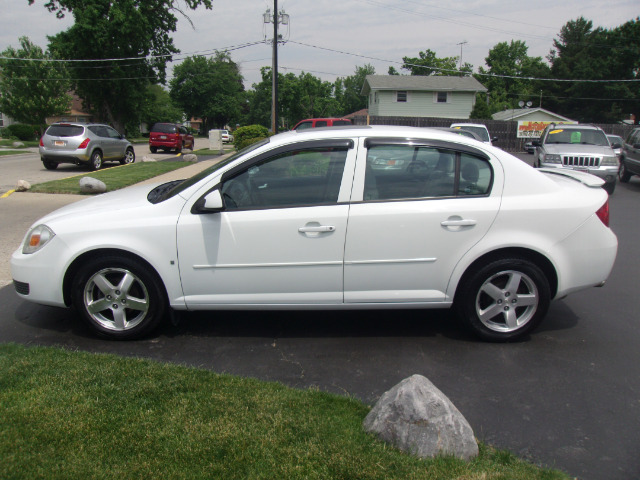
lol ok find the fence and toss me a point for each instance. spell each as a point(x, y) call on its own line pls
point(506, 131)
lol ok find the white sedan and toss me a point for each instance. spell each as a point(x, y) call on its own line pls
point(307, 220)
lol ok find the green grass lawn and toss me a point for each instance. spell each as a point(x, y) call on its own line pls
point(13, 152)
point(113, 177)
point(79, 415)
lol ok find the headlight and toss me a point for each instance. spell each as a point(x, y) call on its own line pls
point(609, 162)
point(551, 158)
point(37, 238)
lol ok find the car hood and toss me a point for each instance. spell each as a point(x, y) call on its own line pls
point(128, 199)
point(577, 149)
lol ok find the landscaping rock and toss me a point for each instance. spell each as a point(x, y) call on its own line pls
point(22, 186)
point(190, 157)
point(18, 144)
point(92, 185)
point(148, 159)
point(417, 418)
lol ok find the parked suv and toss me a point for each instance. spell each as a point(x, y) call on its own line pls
point(321, 122)
point(170, 136)
point(630, 156)
point(578, 147)
point(84, 144)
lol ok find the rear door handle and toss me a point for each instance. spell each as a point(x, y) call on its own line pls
point(317, 229)
point(463, 222)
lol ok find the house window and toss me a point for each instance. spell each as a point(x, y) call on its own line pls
point(401, 96)
point(1, 120)
point(376, 97)
point(440, 97)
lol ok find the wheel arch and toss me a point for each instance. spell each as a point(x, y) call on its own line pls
point(77, 263)
point(537, 258)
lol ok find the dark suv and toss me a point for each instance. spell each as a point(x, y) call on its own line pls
point(84, 144)
point(578, 147)
point(630, 156)
point(170, 136)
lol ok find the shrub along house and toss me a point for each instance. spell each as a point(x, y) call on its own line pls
point(421, 96)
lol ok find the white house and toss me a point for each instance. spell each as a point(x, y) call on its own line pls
point(421, 96)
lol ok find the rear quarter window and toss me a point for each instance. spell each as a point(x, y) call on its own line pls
point(65, 130)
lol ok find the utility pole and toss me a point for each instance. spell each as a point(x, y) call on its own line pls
point(461, 44)
point(278, 17)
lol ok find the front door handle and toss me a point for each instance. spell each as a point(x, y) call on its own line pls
point(459, 223)
point(317, 229)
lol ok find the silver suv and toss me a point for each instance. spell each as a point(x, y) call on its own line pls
point(578, 147)
point(84, 144)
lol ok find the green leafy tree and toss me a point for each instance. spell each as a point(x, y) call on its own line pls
point(131, 37)
point(582, 52)
point(209, 88)
point(32, 85)
point(506, 78)
point(159, 107)
point(480, 109)
point(426, 63)
point(347, 90)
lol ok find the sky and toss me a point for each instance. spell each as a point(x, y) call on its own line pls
point(331, 38)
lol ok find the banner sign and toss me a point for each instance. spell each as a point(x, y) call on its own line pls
point(533, 129)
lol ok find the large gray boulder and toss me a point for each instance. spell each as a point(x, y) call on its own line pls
point(190, 157)
point(92, 185)
point(417, 418)
point(22, 186)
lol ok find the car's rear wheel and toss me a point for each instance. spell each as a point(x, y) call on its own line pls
point(504, 299)
point(96, 160)
point(153, 149)
point(129, 157)
point(119, 297)
point(623, 173)
point(49, 165)
point(179, 148)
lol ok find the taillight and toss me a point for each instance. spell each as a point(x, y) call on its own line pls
point(41, 142)
point(603, 213)
point(84, 144)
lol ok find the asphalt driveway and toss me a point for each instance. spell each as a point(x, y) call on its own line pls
point(567, 397)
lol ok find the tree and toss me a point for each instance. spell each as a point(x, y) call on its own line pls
point(209, 88)
point(428, 64)
point(582, 52)
point(480, 109)
point(32, 90)
point(348, 90)
point(508, 73)
point(132, 37)
point(159, 107)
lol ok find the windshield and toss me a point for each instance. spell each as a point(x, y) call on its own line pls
point(184, 184)
point(577, 136)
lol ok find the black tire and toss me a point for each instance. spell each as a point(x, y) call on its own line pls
point(49, 165)
point(179, 148)
point(623, 174)
point(129, 157)
point(609, 187)
point(119, 297)
point(96, 160)
point(504, 299)
point(153, 149)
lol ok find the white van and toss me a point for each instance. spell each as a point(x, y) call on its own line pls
point(477, 128)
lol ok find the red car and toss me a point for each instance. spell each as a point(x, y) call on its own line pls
point(321, 122)
point(168, 136)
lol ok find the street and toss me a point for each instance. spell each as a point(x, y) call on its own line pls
point(566, 397)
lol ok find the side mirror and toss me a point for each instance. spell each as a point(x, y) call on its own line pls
point(494, 139)
point(535, 143)
point(210, 203)
point(616, 145)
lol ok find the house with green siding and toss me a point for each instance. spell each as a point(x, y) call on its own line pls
point(421, 96)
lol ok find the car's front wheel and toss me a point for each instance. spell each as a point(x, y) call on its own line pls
point(96, 160)
point(623, 173)
point(504, 299)
point(119, 297)
point(49, 165)
point(129, 157)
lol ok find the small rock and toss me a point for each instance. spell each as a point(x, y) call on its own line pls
point(190, 157)
point(92, 185)
point(22, 186)
point(18, 144)
point(417, 418)
point(148, 159)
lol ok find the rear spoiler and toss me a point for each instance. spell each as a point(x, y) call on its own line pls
point(582, 177)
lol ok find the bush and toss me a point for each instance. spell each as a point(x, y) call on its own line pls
point(244, 136)
point(22, 131)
